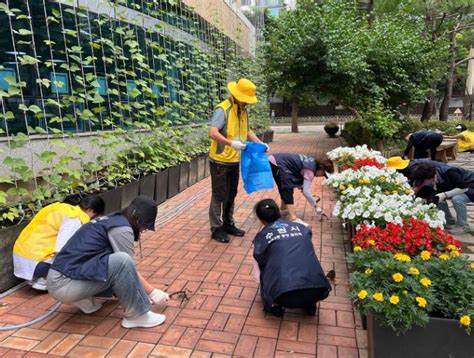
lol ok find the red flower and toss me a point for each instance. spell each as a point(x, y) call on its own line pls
point(365, 162)
point(412, 237)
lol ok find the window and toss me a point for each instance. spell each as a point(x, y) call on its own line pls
point(6, 73)
point(59, 83)
point(102, 89)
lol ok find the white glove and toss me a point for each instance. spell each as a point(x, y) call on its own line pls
point(238, 145)
point(158, 297)
point(266, 145)
point(441, 197)
point(318, 211)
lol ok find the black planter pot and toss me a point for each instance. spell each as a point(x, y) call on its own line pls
point(147, 186)
point(173, 181)
point(268, 136)
point(331, 131)
point(201, 169)
point(161, 186)
point(440, 338)
point(183, 176)
point(8, 237)
point(193, 171)
point(112, 199)
point(129, 192)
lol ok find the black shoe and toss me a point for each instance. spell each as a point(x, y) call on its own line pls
point(311, 311)
point(220, 235)
point(232, 230)
point(277, 310)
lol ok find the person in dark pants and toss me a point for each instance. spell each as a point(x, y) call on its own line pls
point(448, 182)
point(228, 131)
point(423, 141)
point(289, 272)
point(297, 171)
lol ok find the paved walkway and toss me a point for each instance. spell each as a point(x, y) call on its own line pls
point(224, 315)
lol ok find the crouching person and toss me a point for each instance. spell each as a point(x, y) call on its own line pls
point(290, 273)
point(99, 258)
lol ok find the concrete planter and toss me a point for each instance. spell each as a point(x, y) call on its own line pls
point(440, 338)
point(8, 237)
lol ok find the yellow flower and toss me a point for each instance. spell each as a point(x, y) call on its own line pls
point(361, 181)
point(368, 271)
point(362, 294)
point(465, 320)
point(402, 257)
point(371, 242)
point(394, 192)
point(386, 192)
point(455, 253)
point(472, 265)
point(378, 296)
point(382, 178)
point(414, 271)
point(408, 191)
point(425, 255)
point(425, 281)
point(421, 301)
point(349, 185)
point(342, 187)
point(357, 248)
point(443, 257)
point(394, 299)
point(451, 247)
point(405, 292)
point(397, 277)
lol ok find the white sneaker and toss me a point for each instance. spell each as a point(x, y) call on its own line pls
point(39, 284)
point(459, 230)
point(299, 221)
point(149, 319)
point(87, 305)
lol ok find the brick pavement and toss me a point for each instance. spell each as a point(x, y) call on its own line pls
point(224, 315)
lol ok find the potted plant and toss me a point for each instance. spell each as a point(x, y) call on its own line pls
point(400, 294)
point(331, 129)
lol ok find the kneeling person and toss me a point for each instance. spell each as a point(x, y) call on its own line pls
point(290, 273)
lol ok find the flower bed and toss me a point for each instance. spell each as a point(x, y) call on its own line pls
point(405, 268)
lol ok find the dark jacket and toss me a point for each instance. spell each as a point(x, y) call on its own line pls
point(287, 261)
point(290, 166)
point(423, 141)
point(86, 254)
point(455, 177)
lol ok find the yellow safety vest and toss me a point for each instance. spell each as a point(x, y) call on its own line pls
point(236, 128)
point(38, 239)
point(467, 142)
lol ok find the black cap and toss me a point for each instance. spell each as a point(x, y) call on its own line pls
point(461, 127)
point(145, 209)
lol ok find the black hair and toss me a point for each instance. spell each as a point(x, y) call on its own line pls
point(132, 217)
point(95, 203)
point(423, 171)
point(463, 127)
point(324, 163)
point(267, 210)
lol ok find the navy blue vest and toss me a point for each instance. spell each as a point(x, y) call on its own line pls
point(420, 136)
point(441, 168)
point(290, 166)
point(287, 261)
point(86, 254)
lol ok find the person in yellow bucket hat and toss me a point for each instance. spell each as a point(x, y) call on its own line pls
point(229, 129)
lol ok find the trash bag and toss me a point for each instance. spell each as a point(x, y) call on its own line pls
point(255, 168)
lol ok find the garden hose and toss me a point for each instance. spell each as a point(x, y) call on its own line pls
point(181, 294)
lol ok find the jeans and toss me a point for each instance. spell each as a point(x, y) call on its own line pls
point(459, 204)
point(224, 181)
point(122, 279)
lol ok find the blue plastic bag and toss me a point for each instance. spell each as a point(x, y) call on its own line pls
point(255, 168)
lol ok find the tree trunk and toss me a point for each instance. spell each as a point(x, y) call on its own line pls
point(448, 92)
point(294, 115)
point(379, 145)
point(429, 107)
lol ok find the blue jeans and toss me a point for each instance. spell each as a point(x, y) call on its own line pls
point(123, 280)
point(459, 204)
